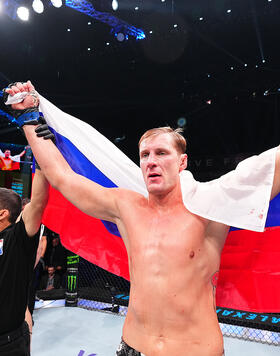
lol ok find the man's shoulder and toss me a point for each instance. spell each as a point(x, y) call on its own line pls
point(129, 200)
point(18, 225)
point(130, 195)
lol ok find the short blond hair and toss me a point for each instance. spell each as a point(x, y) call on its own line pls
point(179, 140)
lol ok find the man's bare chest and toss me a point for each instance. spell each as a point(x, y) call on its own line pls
point(163, 237)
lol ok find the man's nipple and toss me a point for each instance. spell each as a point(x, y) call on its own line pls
point(192, 254)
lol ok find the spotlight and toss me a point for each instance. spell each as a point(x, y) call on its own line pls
point(136, 8)
point(23, 13)
point(263, 60)
point(56, 3)
point(231, 68)
point(181, 122)
point(89, 23)
point(115, 5)
point(229, 11)
point(107, 43)
point(201, 19)
point(38, 6)
point(120, 37)
point(175, 25)
point(245, 65)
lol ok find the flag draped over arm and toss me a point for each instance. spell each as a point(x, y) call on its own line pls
point(240, 198)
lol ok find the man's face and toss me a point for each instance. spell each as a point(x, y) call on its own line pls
point(160, 163)
point(7, 153)
point(51, 271)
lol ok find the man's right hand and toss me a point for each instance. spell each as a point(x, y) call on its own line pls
point(30, 101)
point(29, 104)
point(27, 111)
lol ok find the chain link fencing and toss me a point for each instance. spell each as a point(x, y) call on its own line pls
point(98, 289)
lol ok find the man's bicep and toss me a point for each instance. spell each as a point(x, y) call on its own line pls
point(32, 218)
point(90, 197)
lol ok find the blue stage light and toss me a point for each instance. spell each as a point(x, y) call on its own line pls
point(118, 26)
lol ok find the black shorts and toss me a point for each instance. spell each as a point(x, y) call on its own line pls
point(126, 350)
point(16, 343)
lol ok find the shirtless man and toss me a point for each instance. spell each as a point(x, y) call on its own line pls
point(6, 160)
point(173, 254)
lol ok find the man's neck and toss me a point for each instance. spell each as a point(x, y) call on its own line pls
point(166, 201)
point(4, 225)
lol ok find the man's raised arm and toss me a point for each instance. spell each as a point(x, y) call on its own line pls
point(33, 212)
point(86, 195)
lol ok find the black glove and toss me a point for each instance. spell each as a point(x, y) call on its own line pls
point(43, 131)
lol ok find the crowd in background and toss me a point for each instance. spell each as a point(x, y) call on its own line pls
point(51, 268)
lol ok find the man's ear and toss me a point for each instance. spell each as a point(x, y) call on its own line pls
point(4, 213)
point(184, 162)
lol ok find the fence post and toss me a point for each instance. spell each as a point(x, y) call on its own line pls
point(71, 291)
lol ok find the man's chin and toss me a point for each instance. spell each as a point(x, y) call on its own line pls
point(155, 189)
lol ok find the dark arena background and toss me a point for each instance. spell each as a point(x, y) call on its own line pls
point(210, 67)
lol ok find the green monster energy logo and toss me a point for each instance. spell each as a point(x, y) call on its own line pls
point(72, 259)
point(72, 283)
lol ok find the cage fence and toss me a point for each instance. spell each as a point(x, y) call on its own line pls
point(102, 290)
point(98, 289)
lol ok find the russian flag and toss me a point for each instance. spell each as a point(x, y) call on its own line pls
point(250, 266)
point(249, 277)
point(97, 241)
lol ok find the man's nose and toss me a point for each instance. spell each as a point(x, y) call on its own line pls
point(151, 160)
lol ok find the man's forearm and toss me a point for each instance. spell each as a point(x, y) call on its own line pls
point(22, 153)
point(33, 212)
point(50, 160)
point(40, 190)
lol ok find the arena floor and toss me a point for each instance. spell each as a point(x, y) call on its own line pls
point(64, 331)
